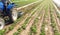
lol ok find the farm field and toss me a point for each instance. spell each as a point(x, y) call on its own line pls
point(40, 19)
point(22, 2)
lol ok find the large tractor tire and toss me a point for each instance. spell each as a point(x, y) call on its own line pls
point(14, 14)
point(2, 23)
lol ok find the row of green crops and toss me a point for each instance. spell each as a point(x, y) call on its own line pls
point(33, 29)
point(22, 2)
point(44, 20)
point(53, 23)
point(44, 23)
point(58, 15)
point(34, 26)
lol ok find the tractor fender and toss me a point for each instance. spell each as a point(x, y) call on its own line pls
point(10, 6)
point(1, 6)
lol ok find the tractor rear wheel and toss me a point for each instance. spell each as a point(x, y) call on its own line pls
point(14, 14)
point(2, 23)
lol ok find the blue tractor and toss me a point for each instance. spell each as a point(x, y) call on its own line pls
point(8, 14)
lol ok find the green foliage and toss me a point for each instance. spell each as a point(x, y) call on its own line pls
point(2, 32)
point(11, 27)
point(33, 29)
point(36, 20)
point(16, 33)
point(58, 15)
point(53, 25)
point(42, 33)
point(24, 26)
point(19, 30)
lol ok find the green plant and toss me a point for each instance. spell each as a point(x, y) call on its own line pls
point(2, 32)
point(19, 30)
point(42, 33)
point(16, 33)
point(23, 26)
point(53, 25)
point(33, 29)
point(11, 28)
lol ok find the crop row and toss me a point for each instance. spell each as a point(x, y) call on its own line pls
point(33, 28)
point(53, 23)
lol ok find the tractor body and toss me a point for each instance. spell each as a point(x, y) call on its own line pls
point(8, 14)
point(6, 9)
